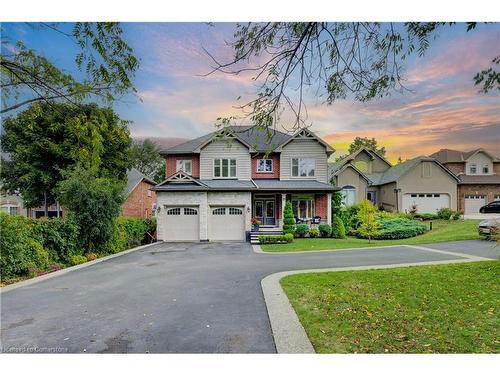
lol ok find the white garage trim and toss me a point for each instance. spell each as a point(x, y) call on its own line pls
point(226, 223)
point(182, 223)
point(426, 202)
point(473, 203)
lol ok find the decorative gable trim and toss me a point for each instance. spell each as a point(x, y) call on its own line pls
point(309, 135)
point(181, 177)
point(225, 134)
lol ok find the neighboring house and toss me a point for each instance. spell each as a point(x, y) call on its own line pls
point(141, 200)
point(216, 183)
point(479, 174)
point(12, 204)
point(421, 181)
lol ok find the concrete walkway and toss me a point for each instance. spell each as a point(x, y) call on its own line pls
point(178, 298)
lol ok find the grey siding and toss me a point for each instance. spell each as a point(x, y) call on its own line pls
point(225, 149)
point(349, 177)
point(304, 148)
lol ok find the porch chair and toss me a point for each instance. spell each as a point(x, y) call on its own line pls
point(316, 220)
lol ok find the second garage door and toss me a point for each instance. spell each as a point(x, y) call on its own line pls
point(473, 203)
point(226, 223)
point(183, 224)
point(426, 203)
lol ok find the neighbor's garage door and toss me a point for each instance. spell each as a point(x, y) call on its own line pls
point(226, 224)
point(473, 203)
point(183, 224)
point(426, 203)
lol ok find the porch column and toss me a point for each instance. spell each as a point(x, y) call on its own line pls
point(283, 202)
point(329, 209)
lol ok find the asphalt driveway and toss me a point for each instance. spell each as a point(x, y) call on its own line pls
point(176, 298)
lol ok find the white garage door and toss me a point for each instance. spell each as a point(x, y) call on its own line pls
point(183, 224)
point(426, 202)
point(226, 224)
point(473, 203)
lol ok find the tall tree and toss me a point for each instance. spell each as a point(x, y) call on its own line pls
point(369, 143)
point(146, 158)
point(103, 58)
point(48, 138)
point(362, 60)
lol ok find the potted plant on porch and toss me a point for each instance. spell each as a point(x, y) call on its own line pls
point(255, 224)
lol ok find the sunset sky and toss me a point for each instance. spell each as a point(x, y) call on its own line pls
point(442, 110)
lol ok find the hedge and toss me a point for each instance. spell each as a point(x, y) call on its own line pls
point(279, 238)
point(398, 228)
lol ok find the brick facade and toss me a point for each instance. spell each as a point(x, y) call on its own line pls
point(140, 201)
point(171, 163)
point(496, 167)
point(489, 191)
point(456, 168)
point(276, 167)
point(321, 206)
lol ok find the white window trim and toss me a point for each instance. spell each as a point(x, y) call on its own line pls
point(229, 166)
point(257, 166)
point(485, 166)
point(302, 177)
point(183, 161)
point(470, 168)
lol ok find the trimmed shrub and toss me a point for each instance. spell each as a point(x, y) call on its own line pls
point(288, 219)
point(338, 229)
point(301, 230)
point(444, 213)
point(425, 217)
point(390, 229)
point(456, 215)
point(276, 238)
point(325, 230)
point(77, 259)
point(314, 232)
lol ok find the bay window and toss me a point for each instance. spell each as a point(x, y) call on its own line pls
point(225, 168)
point(303, 167)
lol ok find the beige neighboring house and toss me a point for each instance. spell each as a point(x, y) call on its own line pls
point(421, 181)
point(12, 204)
point(479, 174)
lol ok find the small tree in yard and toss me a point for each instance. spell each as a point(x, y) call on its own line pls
point(367, 216)
point(288, 220)
point(336, 203)
point(96, 203)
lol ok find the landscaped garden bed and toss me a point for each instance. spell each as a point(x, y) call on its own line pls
point(425, 309)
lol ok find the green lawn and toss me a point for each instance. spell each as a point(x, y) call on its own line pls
point(427, 309)
point(442, 231)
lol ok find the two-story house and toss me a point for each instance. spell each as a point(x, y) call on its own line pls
point(479, 174)
point(421, 182)
point(218, 182)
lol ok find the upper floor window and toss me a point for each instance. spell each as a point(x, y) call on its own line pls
point(486, 169)
point(264, 165)
point(473, 169)
point(185, 166)
point(303, 167)
point(225, 168)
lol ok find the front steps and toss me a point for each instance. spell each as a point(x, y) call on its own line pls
point(254, 235)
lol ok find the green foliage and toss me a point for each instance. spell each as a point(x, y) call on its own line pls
point(338, 229)
point(47, 139)
point(456, 215)
point(301, 230)
point(349, 217)
point(280, 238)
point(391, 229)
point(19, 250)
point(325, 230)
point(146, 158)
point(95, 203)
point(130, 232)
point(77, 259)
point(105, 62)
point(313, 232)
point(288, 220)
point(336, 203)
point(362, 142)
point(426, 216)
point(367, 216)
point(60, 236)
point(444, 213)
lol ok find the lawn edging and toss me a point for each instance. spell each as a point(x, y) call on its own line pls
point(289, 334)
point(258, 249)
point(66, 270)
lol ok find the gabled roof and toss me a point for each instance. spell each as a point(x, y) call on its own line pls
point(134, 177)
point(371, 153)
point(334, 170)
point(454, 156)
point(479, 179)
point(394, 173)
point(307, 134)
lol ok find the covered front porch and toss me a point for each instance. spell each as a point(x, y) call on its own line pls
point(308, 208)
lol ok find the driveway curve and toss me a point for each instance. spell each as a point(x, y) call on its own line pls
point(176, 298)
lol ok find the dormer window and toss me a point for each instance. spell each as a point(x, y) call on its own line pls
point(486, 169)
point(185, 166)
point(264, 165)
point(473, 169)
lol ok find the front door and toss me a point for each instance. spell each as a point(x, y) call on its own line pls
point(264, 210)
